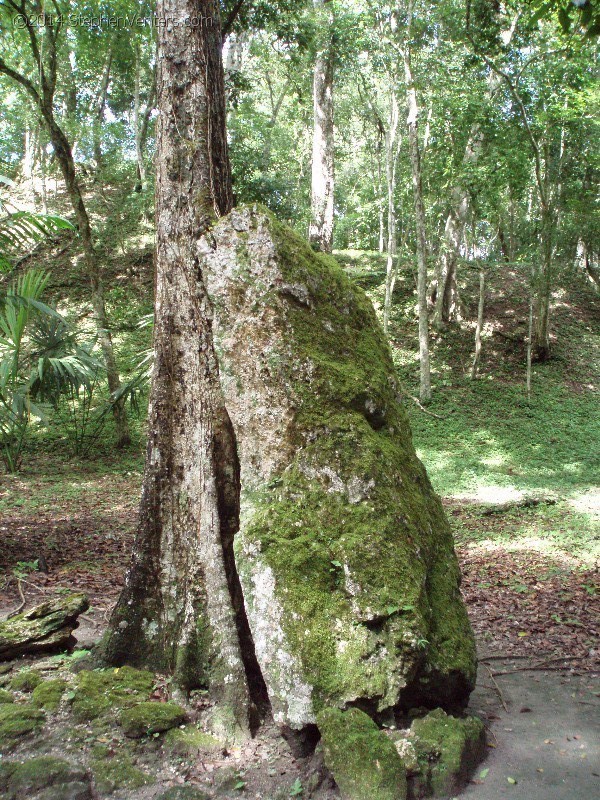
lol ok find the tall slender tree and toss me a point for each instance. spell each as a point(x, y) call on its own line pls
point(44, 50)
point(321, 226)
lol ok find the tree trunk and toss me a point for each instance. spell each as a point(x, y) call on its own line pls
point(543, 280)
point(391, 158)
point(415, 163)
point(141, 134)
point(181, 609)
point(140, 185)
point(64, 155)
point(479, 327)
point(321, 226)
point(99, 108)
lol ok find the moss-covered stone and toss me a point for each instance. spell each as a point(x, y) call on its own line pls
point(26, 680)
point(101, 691)
point(48, 694)
point(23, 780)
point(345, 556)
point(43, 628)
point(145, 719)
point(448, 750)
point(183, 793)
point(362, 759)
point(189, 741)
point(17, 720)
point(6, 696)
point(118, 772)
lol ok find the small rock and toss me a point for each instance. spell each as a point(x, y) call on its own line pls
point(363, 761)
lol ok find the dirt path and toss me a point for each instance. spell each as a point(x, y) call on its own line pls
point(547, 742)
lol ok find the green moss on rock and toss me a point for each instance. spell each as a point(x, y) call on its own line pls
point(362, 759)
point(189, 741)
point(26, 680)
point(101, 691)
point(448, 748)
point(145, 719)
point(344, 553)
point(183, 793)
point(6, 696)
point(48, 694)
point(17, 720)
point(118, 772)
point(22, 780)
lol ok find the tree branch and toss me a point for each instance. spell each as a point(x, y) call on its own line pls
point(230, 21)
point(21, 79)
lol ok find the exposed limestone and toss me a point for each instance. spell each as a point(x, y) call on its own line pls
point(344, 553)
point(44, 628)
point(363, 761)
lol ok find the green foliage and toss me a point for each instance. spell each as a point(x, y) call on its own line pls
point(40, 361)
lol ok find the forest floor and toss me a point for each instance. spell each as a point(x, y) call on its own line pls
point(519, 480)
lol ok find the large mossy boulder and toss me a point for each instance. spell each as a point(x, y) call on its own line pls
point(345, 557)
point(45, 628)
point(363, 761)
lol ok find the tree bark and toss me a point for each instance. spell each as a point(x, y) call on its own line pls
point(321, 226)
point(415, 163)
point(181, 609)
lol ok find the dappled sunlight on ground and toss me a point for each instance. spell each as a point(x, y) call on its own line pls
point(587, 503)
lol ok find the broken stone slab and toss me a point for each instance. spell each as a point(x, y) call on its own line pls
point(345, 556)
point(43, 778)
point(440, 753)
point(363, 761)
point(47, 627)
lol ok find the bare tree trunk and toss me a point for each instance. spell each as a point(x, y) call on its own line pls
point(415, 163)
point(391, 157)
point(141, 136)
point(28, 153)
point(479, 327)
point(100, 106)
point(321, 226)
point(276, 104)
point(141, 167)
point(543, 280)
point(44, 100)
point(42, 164)
point(64, 156)
point(180, 609)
